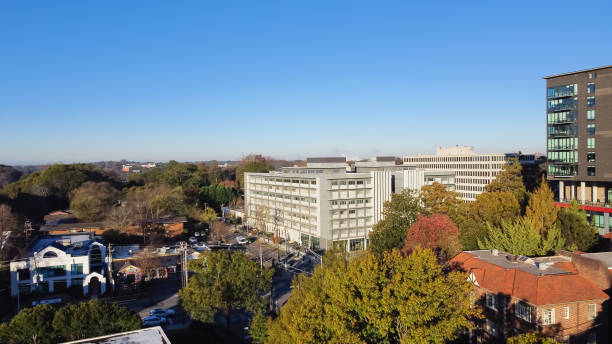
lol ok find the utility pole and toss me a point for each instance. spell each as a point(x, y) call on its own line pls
point(110, 267)
point(260, 258)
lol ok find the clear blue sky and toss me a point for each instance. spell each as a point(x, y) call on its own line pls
point(147, 80)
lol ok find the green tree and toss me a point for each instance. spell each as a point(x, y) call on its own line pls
point(225, 282)
point(92, 201)
point(522, 237)
point(438, 199)
point(8, 224)
point(208, 215)
point(258, 329)
point(92, 319)
point(578, 232)
point(510, 179)
point(493, 207)
point(374, 299)
point(399, 214)
point(251, 166)
point(33, 325)
point(541, 209)
point(217, 195)
point(530, 338)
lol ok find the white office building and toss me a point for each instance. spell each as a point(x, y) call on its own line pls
point(472, 171)
point(327, 203)
point(57, 264)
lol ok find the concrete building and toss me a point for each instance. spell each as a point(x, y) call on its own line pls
point(56, 264)
point(548, 294)
point(473, 171)
point(327, 203)
point(578, 126)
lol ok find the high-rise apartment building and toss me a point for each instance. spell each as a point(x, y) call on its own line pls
point(472, 171)
point(579, 139)
point(328, 203)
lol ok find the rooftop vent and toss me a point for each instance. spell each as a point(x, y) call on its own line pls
point(495, 252)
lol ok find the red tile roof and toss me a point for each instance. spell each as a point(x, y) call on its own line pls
point(533, 288)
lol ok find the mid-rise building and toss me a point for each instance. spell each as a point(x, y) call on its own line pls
point(473, 171)
point(578, 127)
point(328, 204)
point(553, 295)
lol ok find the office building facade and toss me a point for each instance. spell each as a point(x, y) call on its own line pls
point(473, 171)
point(578, 127)
point(327, 203)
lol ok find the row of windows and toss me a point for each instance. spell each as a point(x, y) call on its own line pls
point(469, 188)
point(476, 174)
point(349, 182)
point(467, 195)
point(472, 181)
point(562, 117)
point(562, 91)
point(288, 197)
point(463, 166)
point(563, 143)
point(286, 180)
point(351, 201)
point(562, 171)
point(482, 158)
point(563, 157)
point(563, 104)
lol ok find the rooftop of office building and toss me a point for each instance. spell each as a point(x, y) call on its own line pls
point(576, 72)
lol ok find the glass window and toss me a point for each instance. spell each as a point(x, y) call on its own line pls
point(315, 243)
point(592, 75)
point(76, 269)
point(592, 311)
point(590, 101)
point(591, 88)
point(599, 220)
point(356, 244)
point(523, 311)
point(566, 312)
point(563, 91)
point(53, 271)
point(590, 129)
point(490, 301)
point(591, 115)
point(23, 274)
point(548, 316)
point(590, 156)
point(591, 142)
point(491, 328)
point(77, 281)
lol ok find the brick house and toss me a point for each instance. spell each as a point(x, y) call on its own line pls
point(520, 294)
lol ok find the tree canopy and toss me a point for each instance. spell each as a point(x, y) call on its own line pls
point(438, 199)
point(510, 179)
point(251, 166)
point(224, 281)
point(92, 201)
point(436, 232)
point(399, 214)
point(522, 237)
point(531, 338)
point(541, 209)
point(376, 299)
point(578, 232)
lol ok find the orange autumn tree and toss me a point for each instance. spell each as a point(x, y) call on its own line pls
point(437, 232)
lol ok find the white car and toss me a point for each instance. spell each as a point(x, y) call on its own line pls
point(153, 320)
point(200, 246)
point(241, 240)
point(162, 313)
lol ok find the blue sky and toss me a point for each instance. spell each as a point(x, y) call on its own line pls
point(146, 80)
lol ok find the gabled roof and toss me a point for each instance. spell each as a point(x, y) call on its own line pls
point(517, 280)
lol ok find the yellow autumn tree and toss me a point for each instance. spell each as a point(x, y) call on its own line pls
point(541, 209)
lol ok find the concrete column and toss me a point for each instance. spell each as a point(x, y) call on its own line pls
point(582, 191)
point(572, 190)
point(51, 286)
point(561, 190)
point(606, 228)
point(594, 189)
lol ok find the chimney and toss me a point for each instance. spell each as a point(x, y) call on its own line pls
point(495, 252)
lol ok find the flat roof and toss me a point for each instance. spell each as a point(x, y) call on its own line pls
point(576, 72)
point(151, 335)
point(326, 159)
point(504, 260)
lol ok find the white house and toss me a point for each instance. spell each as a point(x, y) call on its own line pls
point(54, 265)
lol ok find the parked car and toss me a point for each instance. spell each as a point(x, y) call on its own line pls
point(193, 240)
point(153, 320)
point(200, 246)
point(197, 234)
point(241, 240)
point(162, 313)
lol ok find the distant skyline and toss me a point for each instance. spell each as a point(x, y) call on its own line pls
point(196, 80)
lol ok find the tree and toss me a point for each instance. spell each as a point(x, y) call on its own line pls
point(119, 218)
point(399, 214)
point(251, 166)
point(376, 299)
point(33, 325)
point(224, 281)
point(92, 201)
point(541, 209)
point(578, 232)
point(436, 232)
point(208, 215)
point(530, 338)
point(438, 199)
point(493, 207)
point(522, 237)
point(92, 319)
point(8, 224)
point(258, 330)
point(510, 179)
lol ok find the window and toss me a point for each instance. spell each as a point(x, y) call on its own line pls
point(491, 301)
point(591, 142)
point(23, 274)
point(76, 269)
point(491, 328)
point(548, 316)
point(590, 171)
point(592, 311)
point(591, 156)
point(591, 88)
point(523, 311)
point(566, 313)
point(590, 129)
point(590, 101)
point(592, 75)
point(599, 220)
point(77, 281)
point(591, 115)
